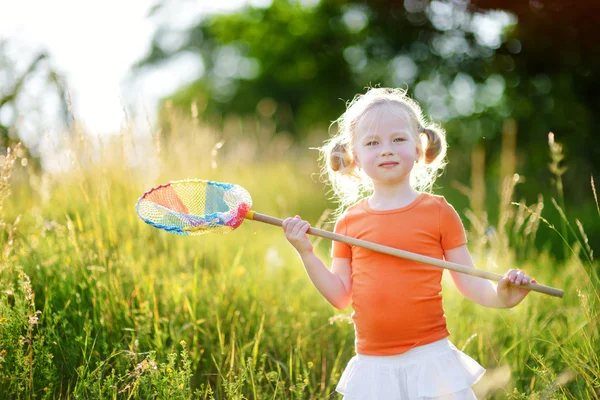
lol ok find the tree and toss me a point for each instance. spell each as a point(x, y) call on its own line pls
point(306, 58)
point(16, 87)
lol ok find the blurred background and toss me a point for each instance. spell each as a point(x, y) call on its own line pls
point(497, 75)
point(100, 102)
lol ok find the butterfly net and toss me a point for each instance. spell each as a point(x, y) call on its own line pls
point(195, 207)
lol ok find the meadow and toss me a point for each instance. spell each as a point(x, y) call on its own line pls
point(95, 304)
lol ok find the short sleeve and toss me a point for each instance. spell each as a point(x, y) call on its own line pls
point(452, 231)
point(339, 249)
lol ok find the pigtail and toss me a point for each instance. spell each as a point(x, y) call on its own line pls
point(436, 144)
point(340, 158)
point(339, 169)
point(433, 159)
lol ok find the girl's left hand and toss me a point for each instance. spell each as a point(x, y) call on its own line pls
point(509, 294)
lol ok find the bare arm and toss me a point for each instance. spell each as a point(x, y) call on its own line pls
point(482, 291)
point(334, 285)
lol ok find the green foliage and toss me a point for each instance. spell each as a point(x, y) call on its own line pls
point(310, 59)
point(25, 357)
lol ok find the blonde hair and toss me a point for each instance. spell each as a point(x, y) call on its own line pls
point(350, 184)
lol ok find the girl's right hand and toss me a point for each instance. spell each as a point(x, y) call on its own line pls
point(295, 232)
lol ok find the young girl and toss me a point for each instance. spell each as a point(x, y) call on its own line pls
point(381, 165)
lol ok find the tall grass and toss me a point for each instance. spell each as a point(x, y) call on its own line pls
point(96, 304)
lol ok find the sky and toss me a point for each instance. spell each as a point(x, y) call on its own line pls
point(94, 45)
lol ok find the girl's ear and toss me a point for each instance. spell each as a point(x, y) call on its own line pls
point(356, 160)
point(419, 153)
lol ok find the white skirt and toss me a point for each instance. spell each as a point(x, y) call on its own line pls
point(436, 370)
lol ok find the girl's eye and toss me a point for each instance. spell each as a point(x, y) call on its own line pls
point(371, 143)
point(399, 140)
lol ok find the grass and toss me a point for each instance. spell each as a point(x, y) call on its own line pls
point(96, 304)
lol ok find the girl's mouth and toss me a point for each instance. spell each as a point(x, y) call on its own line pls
point(389, 164)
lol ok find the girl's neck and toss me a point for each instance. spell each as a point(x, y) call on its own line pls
point(392, 197)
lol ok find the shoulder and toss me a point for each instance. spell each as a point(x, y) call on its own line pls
point(353, 211)
point(434, 200)
point(436, 205)
point(353, 215)
point(437, 200)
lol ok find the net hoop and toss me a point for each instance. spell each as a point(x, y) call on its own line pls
point(194, 206)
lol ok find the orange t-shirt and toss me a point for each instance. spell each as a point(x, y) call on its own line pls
point(397, 302)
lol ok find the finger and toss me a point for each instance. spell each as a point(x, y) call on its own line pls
point(523, 281)
point(519, 278)
point(304, 228)
point(292, 227)
point(289, 225)
point(511, 275)
point(294, 230)
point(299, 225)
point(524, 278)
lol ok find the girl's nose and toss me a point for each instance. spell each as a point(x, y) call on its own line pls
point(387, 152)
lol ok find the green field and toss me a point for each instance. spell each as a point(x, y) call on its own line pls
point(96, 304)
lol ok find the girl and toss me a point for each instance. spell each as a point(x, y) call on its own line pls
point(381, 165)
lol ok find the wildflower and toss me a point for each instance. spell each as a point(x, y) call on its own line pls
point(340, 318)
point(33, 320)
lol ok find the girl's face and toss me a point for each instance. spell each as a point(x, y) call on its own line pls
point(384, 145)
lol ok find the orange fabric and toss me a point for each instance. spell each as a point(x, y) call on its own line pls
point(168, 198)
point(398, 303)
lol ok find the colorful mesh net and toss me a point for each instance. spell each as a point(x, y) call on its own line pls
point(195, 207)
